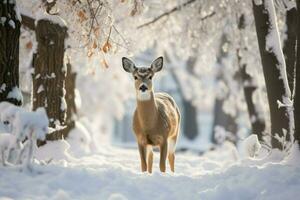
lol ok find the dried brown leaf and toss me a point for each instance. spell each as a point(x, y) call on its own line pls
point(82, 16)
point(106, 47)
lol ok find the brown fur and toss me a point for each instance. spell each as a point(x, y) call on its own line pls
point(154, 122)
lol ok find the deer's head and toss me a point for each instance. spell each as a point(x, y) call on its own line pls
point(143, 76)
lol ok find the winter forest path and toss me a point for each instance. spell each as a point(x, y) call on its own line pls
point(113, 173)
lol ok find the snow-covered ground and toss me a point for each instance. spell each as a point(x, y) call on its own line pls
point(113, 173)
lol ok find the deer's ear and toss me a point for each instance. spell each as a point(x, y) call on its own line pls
point(157, 64)
point(128, 65)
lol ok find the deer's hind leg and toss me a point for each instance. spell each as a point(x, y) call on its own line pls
point(163, 156)
point(171, 152)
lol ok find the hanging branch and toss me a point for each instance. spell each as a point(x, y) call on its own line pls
point(94, 15)
point(166, 13)
point(208, 16)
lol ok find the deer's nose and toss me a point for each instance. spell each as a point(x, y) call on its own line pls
point(143, 88)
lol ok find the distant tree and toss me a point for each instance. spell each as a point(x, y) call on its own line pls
point(274, 68)
point(189, 112)
point(221, 118)
point(297, 89)
point(289, 46)
point(9, 53)
point(249, 84)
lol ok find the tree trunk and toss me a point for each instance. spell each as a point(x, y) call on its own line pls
point(289, 47)
point(50, 74)
point(222, 119)
point(274, 72)
point(257, 120)
point(9, 53)
point(297, 89)
point(190, 125)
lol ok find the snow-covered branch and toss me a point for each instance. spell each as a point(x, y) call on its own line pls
point(23, 130)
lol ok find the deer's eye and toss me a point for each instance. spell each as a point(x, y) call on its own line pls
point(135, 77)
point(150, 77)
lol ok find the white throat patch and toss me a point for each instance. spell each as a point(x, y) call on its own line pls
point(143, 96)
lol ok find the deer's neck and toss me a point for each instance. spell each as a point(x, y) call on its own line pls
point(147, 112)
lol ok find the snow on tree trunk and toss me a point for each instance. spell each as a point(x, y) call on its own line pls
point(289, 47)
point(297, 89)
point(274, 68)
point(70, 100)
point(9, 52)
point(256, 116)
point(50, 73)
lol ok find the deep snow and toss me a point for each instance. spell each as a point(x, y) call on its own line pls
point(113, 173)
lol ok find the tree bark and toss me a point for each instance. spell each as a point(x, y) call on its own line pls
point(256, 117)
point(297, 89)
point(28, 22)
point(274, 72)
point(9, 53)
point(70, 100)
point(50, 74)
point(289, 47)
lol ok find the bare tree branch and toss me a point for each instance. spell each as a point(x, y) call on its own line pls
point(177, 8)
point(208, 16)
point(94, 15)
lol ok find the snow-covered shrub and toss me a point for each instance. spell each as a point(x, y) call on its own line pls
point(7, 115)
point(250, 146)
point(8, 143)
point(23, 126)
point(285, 144)
point(31, 123)
point(293, 157)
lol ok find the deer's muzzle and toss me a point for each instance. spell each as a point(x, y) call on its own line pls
point(143, 88)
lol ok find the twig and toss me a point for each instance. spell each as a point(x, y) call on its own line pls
point(93, 15)
point(121, 36)
point(109, 34)
point(208, 16)
point(118, 44)
point(166, 13)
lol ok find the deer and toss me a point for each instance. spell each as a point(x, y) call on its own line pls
point(156, 119)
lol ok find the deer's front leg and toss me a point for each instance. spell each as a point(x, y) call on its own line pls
point(143, 155)
point(163, 156)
